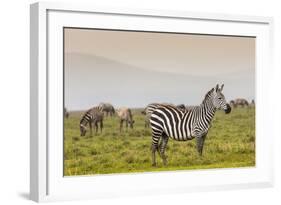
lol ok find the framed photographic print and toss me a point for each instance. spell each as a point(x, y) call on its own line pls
point(123, 98)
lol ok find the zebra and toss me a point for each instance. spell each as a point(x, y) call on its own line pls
point(170, 122)
point(125, 115)
point(108, 109)
point(91, 116)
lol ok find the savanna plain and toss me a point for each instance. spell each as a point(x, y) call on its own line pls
point(230, 143)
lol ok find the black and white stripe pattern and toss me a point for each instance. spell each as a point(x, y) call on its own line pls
point(91, 116)
point(171, 122)
point(149, 110)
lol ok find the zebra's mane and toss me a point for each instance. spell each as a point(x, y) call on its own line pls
point(207, 96)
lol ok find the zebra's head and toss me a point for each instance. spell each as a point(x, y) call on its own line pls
point(219, 101)
point(83, 130)
point(131, 123)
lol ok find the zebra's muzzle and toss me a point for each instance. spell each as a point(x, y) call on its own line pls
point(228, 109)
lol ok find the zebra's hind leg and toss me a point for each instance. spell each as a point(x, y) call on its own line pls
point(163, 145)
point(155, 146)
point(200, 144)
point(97, 127)
point(146, 123)
point(121, 125)
point(91, 131)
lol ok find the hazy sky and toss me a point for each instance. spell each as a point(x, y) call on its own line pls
point(136, 68)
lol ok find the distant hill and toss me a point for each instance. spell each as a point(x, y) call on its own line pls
point(92, 79)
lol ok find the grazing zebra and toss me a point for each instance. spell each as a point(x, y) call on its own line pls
point(91, 116)
point(108, 109)
point(170, 122)
point(125, 115)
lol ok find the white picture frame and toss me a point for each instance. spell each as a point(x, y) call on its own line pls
point(47, 182)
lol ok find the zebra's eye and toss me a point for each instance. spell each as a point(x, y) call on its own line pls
point(219, 98)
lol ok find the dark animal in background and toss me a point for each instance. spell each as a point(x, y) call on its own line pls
point(232, 103)
point(253, 103)
point(108, 109)
point(125, 115)
point(181, 107)
point(65, 112)
point(239, 102)
point(93, 116)
point(169, 122)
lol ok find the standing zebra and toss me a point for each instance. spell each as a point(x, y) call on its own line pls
point(91, 116)
point(125, 115)
point(168, 121)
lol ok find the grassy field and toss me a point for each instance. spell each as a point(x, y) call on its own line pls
point(230, 143)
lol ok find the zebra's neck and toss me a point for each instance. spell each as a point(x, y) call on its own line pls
point(84, 121)
point(86, 118)
point(207, 111)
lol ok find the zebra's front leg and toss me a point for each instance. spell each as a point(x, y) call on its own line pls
point(200, 144)
point(101, 125)
point(163, 146)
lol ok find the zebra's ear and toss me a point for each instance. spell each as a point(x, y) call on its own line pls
point(217, 87)
point(221, 87)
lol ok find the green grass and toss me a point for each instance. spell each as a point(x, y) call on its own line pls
point(230, 143)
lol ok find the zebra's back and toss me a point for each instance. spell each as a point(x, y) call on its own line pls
point(150, 108)
point(174, 122)
point(124, 113)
